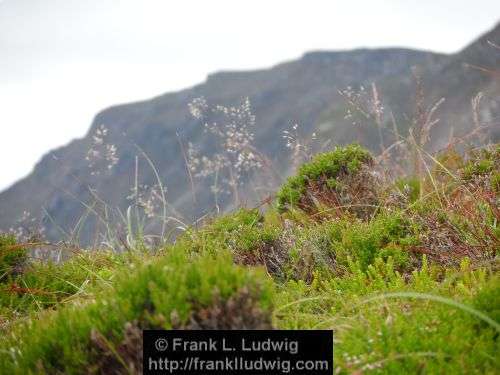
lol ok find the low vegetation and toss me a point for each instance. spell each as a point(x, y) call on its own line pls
point(404, 272)
point(12, 256)
point(340, 180)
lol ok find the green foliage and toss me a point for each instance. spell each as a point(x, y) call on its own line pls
point(488, 300)
point(495, 182)
point(384, 236)
point(326, 166)
point(242, 232)
point(12, 257)
point(410, 186)
point(377, 333)
point(43, 285)
point(328, 248)
point(478, 168)
point(482, 162)
point(160, 293)
point(393, 310)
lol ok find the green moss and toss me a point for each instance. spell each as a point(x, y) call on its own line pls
point(291, 192)
point(328, 247)
point(161, 293)
point(487, 300)
point(386, 235)
point(377, 333)
point(398, 253)
point(326, 166)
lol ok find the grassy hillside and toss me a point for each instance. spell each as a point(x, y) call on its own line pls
point(404, 271)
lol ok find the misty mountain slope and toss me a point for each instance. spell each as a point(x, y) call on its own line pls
point(457, 79)
point(474, 69)
point(304, 91)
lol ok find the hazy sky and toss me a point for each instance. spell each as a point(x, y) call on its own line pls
point(61, 61)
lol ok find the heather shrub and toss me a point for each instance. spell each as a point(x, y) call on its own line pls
point(387, 235)
point(339, 181)
point(326, 248)
point(173, 291)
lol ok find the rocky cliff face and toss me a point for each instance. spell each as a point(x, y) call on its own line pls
point(305, 91)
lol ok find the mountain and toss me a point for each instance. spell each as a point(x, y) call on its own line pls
point(305, 91)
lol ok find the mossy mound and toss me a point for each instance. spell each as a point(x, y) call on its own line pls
point(173, 291)
point(337, 182)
